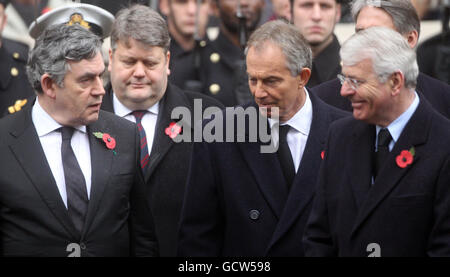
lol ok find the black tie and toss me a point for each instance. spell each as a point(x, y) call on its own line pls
point(285, 156)
point(384, 138)
point(77, 200)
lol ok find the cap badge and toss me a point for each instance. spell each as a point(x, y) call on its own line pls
point(77, 18)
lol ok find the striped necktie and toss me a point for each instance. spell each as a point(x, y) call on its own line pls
point(143, 139)
point(77, 199)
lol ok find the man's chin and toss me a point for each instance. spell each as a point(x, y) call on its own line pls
point(91, 118)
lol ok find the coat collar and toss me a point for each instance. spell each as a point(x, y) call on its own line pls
point(288, 206)
point(172, 99)
point(303, 188)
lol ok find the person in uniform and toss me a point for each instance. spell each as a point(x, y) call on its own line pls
point(187, 25)
point(21, 13)
point(140, 92)
point(222, 72)
point(14, 86)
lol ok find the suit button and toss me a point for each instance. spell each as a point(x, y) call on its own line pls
point(82, 245)
point(254, 214)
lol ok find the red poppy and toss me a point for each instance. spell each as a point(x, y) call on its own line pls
point(322, 154)
point(109, 141)
point(173, 130)
point(404, 159)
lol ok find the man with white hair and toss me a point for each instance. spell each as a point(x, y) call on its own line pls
point(401, 16)
point(383, 188)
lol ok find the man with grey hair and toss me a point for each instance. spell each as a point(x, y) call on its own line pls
point(400, 16)
point(390, 194)
point(70, 178)
point(140, 92)
point(240, 201)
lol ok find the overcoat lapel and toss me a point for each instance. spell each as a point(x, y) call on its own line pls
point(414, 135)
point(304, 185)
point(162, 142)
point(101, 166)
point(360, 162)
point(267, 172)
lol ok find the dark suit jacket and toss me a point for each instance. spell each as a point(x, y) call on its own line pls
point(406, 211)
point(435, 91)
point(168, 166)
point(237, 202)
point(33, 218)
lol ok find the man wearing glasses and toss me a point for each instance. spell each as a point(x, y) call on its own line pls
point(398, 15)
point(391, 195)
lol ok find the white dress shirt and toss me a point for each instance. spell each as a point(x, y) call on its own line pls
point(297, 136)
point(396, 127)
point(148, 121)
point(50, 138)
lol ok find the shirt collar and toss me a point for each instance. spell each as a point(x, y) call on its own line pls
point(301, 121)
point(121, 110)
point(44, 123)
point(396, 127)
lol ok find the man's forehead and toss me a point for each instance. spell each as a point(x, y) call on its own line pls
point(372, 16)
point(358, 69)
point(315, 1)
point(96, 63)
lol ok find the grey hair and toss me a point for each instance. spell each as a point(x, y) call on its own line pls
point(55, 47)
point(142, 24)
point(388, 51)
point(289, 39)
point(403, 14)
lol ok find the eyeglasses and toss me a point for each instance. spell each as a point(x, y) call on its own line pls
point(354, 84)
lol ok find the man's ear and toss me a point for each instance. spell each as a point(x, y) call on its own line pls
point(168, 62)
point(338, 13)
point(48, 86)
point(164, 7)
point(412, 38)
point(110, 59)
point(396, 82)
point(305, 73)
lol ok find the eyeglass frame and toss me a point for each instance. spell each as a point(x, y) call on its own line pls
point(354, 84)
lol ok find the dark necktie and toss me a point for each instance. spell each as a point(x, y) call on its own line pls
point(285, 156)
point(384, 138)
point(77, 199)
point(143, 138)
